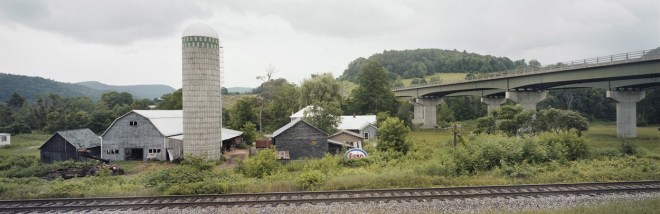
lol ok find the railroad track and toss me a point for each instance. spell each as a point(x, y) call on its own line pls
point(322, 197)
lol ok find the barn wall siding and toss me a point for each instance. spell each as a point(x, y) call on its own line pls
point(302, 141)
point(122, 136)
point(57, 149)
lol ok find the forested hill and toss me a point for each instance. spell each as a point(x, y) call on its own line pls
point(31, 87)
point(138, 91)
point(421, 62)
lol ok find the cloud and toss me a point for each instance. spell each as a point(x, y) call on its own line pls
point(107, 22)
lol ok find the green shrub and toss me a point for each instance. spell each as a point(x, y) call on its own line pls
point(198, 162)
point(196, 188)
point(262, 164)
point(574, 147)
point(310, 179)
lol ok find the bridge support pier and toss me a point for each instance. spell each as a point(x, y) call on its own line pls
point(527, 99)
point(493, 102)
point(626, 111)
point(425, 112)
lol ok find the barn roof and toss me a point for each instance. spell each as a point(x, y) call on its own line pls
point(301, 113)
point(170, 123)
point(79, 138)
point(291, 124)
point(356, 122)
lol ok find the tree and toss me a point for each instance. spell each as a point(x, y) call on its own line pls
point(280, 107)
point(264, 96)
point(322, 88)
point(16, 101)
point(112, 99)
point(534, 63)
point(392, 135)
point(172, 101)
point(249, 133)
point(323, 115)
point(512, 120)
point(374, 93)
point(242, 112)
point(142, 104)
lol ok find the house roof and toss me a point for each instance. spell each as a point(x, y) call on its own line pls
point(291, 124)
point(355, 122)
point(170, 123)
point(5, 134)
point(79, 138)
point(339, 143)
point(301, 113)
point(347, 132)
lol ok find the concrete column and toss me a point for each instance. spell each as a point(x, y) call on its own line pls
point(527, 99)
point(493, 102)
point(626, 111)
point(425, 112)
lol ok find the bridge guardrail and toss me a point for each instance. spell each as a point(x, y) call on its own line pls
point(642, 55)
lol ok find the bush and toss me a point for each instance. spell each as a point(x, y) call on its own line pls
point(575, 147)
point(263, 164)
point(196, 188)
point(198, 162)
point(310, 179)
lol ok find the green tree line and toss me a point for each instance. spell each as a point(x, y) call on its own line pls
point(51, 113)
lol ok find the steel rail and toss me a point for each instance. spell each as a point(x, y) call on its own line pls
point(272, 199)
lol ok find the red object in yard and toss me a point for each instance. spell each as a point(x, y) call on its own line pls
point(264, 144)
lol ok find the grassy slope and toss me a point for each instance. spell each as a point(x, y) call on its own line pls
point(228, 101)
point(24, 144)
point(442, 76)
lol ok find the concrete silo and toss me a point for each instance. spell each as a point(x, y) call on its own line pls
point(202, 102)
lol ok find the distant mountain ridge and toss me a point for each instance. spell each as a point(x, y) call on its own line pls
point(31, 87)
point(138, 91)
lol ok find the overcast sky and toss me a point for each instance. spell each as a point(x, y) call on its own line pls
point(138, 42)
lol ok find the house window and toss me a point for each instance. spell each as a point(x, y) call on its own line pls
point(3, 138)
point(112, 151)
point(133, 123)
point(154, 150)
point(366, 135)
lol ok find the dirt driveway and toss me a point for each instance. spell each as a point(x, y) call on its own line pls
point(233, 157)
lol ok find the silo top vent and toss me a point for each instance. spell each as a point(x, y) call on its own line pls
point(200, 29)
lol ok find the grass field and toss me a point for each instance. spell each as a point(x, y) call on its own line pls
point(429, 163)
point(442, 76)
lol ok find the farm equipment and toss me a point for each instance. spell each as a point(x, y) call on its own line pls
point(72, 172)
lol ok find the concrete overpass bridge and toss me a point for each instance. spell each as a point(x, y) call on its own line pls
point(625, 76)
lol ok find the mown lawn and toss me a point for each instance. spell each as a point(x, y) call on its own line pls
point(447, 77)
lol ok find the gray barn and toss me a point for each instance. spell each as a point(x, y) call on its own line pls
point(150, 135)
point(64, 145)
point(299, 139)
point(143, 135)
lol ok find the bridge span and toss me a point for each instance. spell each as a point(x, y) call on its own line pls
point(625, 76)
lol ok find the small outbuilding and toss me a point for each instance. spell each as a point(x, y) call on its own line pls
point(5, 139)
point(299, 139)
point(64, 145)
point(347, 138)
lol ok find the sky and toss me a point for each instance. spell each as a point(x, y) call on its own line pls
point(128, 42)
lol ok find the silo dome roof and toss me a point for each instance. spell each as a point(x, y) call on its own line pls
point(200, 29)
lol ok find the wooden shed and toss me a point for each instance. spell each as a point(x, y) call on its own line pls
point(299, 139)
point(64, 145)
